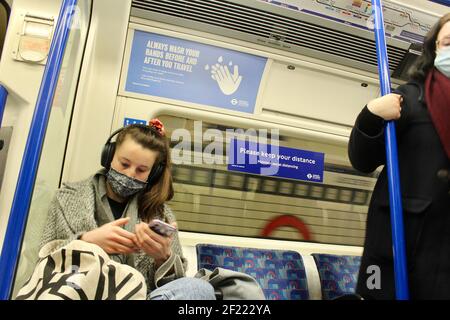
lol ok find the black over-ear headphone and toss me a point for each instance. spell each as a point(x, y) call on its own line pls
point(110, 147)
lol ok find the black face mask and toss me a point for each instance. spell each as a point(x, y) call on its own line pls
point(123, 185)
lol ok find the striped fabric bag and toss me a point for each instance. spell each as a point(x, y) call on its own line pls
point(81, 271)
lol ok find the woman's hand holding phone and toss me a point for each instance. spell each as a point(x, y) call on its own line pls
point(153, 244)
point(162, 228)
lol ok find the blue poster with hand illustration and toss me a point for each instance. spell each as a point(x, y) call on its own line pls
point(194, 72)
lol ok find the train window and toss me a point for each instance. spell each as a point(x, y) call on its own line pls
point(201, 177)
point(270, 185)
point(345, 195)
point(286, 187)
point(317, 192)
point(301, 189)
point(360, 197)
point(331, 194)
point(210, 198)
point(236, 181)
point(252, 184)
point(52, 156)
point(183, 174)
point(220, 179)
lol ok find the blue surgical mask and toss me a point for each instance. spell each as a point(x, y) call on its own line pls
point(442, 61)
point(122, 185)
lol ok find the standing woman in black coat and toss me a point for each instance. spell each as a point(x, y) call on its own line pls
point(421, 109)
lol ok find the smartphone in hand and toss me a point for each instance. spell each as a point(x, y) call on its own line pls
point(162, 228)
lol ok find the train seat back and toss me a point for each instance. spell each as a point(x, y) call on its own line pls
point(286, 274)
point(338, 274)
point(280, 273)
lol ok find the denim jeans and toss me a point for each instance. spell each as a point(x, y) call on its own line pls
point(184, 289)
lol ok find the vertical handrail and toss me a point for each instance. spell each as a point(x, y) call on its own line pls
point(28, 170)
point(3, 96)
point(395, 200)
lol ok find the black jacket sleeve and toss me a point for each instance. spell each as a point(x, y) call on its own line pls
point(366, 146)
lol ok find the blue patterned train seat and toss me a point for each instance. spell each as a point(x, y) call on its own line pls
point(280, 273)
point(338, 274)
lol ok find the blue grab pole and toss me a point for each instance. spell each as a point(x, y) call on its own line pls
point(395, 200)
point(28, 170)
point(3, 96)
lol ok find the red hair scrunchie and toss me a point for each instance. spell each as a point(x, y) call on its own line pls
point(158, 126)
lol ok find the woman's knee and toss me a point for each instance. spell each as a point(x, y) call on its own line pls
point(198, 288)
point(185, 289)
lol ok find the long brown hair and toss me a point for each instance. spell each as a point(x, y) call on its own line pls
point(151, 202)
point(425, 62)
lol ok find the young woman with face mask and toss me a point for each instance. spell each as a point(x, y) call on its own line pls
point(113, 208)
point(421, 109)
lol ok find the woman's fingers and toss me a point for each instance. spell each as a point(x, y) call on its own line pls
point(120, 248)
point(150, 242)
point(126, 234)
point(155, 236)
point(398, 107)
point(151, 246)
point(143, 234)
point(125, 241)
point(139, 234)
point(121, 221)
point(152, 234)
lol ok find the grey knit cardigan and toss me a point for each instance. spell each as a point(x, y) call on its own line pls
point(82, 206)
